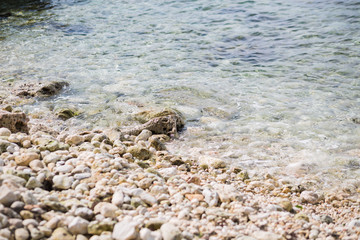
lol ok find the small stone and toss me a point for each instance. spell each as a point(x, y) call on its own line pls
point(78, 226)
point(29, 198)
point(7, 195)
point(212, 162)
point(191, 197)
point(302, 216)
point(144, 135)
point(106, 209)
point(154, 224)
point(25, 214)
point(25, 158)
point(125, 230)
point(118, 198)
point(62, 182)
point(286, 205)
point(97, 228)
point(3, 221)
point(36, 165)
point(263, 235)
point(35, 233)
point(170, 232)
point(84, 212)
point(74, 139)
point(326, 219)
point(148, 198)
point(139, 152)
point(5, 233)
point(21, 234)
point(61, 234)
point(354, 223)
point(17, 206)
point(227, 193)
point(26, 143)
point(4, 132)
point(33, 183)
point(309, 197)
point(51, 158)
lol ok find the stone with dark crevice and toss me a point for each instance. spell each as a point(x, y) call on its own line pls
point(14, 121)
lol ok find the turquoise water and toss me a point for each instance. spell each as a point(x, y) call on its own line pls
point(265, 84)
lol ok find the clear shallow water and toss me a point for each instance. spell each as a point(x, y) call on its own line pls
point(266, 84)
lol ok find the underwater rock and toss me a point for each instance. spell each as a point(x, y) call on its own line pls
point(40, 90)
point(165, 122)
point(51, 89)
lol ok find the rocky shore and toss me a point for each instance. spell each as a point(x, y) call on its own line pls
point(124, 184)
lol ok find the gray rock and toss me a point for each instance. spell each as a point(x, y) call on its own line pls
point(170, 232)
point(84, 212)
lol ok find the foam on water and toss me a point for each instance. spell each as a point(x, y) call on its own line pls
point(266, 84)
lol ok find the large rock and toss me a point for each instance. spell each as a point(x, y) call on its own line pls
point(15, 122)
point(40, 89)
point(165, 122)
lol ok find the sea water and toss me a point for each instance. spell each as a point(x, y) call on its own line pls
point(271, 86)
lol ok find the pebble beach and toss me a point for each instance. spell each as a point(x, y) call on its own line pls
point(111, 184)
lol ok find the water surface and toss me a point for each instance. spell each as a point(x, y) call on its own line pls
point(268, 85)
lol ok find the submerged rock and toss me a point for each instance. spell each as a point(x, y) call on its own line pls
point(167, 122)
point(40, 89)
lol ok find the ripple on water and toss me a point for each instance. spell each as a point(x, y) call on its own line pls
point(266, 84)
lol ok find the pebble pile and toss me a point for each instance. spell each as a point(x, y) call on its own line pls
point(103, 185)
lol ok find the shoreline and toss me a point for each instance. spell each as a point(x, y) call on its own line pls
point(101, 184)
